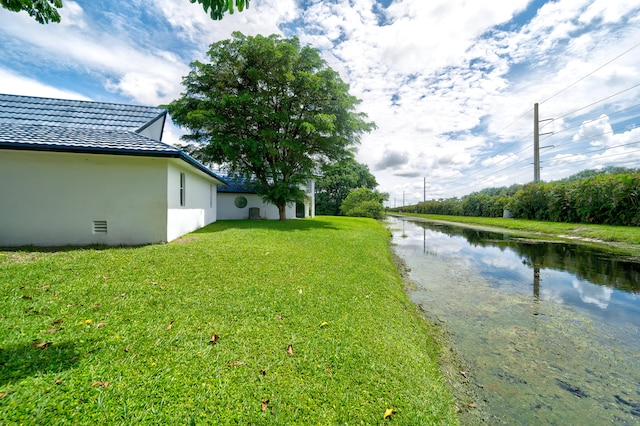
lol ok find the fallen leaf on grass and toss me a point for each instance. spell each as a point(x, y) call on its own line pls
point(472, 404)
point(27, 297)
point(58, 321)
point(388, 412)
point(101, 384)
point(214, 339)
point(464, 374)
point(235, 364)
point(59, 382)
point(96, 306)
point(170, 325)
point(85, 322)
point(100, 324)
point(290, 350)
point(3, 395)
point(43, 345)
point(265, 404)
point(324, 324)
point(53, 330)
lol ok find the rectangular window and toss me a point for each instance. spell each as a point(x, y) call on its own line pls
point(183, 197)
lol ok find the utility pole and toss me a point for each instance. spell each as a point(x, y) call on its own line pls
point(424, 196)
point(536, 143)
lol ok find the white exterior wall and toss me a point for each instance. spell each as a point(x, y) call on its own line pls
point(52, 199)
point(227, 209)
point(200, 200)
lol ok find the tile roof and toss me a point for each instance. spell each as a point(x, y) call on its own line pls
point(69, 113)
point(237, 185)
point(42, 124)
point(31, 136)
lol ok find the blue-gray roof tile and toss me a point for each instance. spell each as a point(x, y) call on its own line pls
point(237, 185)
point(23, 136)
point(44, 124)
point(96, 115)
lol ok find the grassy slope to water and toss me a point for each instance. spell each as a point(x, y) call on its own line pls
point(122, 335)
point(625, 239)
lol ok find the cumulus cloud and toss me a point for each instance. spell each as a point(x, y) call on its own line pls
point(392, 159)
point(450, 83)
point(596, 132)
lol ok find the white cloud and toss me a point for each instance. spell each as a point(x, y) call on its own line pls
point(450, 83)
point(14, 84)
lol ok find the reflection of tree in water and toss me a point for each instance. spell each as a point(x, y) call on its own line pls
point(597, 266)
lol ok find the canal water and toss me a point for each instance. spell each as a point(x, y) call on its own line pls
point(549, 332)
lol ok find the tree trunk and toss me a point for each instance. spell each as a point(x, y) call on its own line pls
point(282, 210)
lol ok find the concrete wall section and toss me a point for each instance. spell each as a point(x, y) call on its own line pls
point(52, 199)
point(227, 209)
point(200, 199)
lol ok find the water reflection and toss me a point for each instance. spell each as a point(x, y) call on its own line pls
point(551, 330)
point(573, 274)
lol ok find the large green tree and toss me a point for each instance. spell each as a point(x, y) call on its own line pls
point(337, 181)
point(44, 11)
point(270, 110)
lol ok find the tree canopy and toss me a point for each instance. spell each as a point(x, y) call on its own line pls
point(337, 181)
point(217, 8)
point(42, 11)
point(269, 110)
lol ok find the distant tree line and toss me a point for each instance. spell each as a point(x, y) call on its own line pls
point(610, 196)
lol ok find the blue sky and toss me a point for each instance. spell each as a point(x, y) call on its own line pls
point(451, 84)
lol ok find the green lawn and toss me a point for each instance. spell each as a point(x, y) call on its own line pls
point(311, 325)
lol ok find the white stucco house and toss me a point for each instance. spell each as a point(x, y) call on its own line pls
point(238, 200)
point(80, 173)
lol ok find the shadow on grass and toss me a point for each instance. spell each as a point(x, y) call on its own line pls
point(20, 361)
point(64, 249)
point(291, 225)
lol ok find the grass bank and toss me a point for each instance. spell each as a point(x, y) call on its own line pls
point(260, 322)
point(623, 239)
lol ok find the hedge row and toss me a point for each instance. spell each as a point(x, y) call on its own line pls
point(602, 199)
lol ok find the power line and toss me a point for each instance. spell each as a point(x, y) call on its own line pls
point(597, 102)
point(595, 119)
point(598, 150)
point(591, 73)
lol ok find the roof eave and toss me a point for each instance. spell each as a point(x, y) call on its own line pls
point(95, 150)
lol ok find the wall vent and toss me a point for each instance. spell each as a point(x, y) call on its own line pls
point(99, 226)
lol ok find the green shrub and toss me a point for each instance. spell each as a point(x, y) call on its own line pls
point(363, 202)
